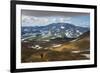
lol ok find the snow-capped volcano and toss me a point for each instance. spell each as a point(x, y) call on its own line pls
point(54, 30)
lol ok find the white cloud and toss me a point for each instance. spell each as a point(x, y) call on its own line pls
point(40, 21)
point(65, 19)
point(31, 20)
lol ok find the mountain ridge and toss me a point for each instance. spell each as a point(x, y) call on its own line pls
point(54, 30)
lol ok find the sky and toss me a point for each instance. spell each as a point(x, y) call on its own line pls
point(42, 18)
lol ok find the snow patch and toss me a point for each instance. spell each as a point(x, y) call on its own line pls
point(62, 27)
point(86, 55)
point(74, 40)
point(75, 51)
point(56, 45)
point(36, 47)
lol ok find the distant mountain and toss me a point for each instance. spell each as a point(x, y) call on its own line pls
point(84, 35)
point(80, 43)
point(53, 31)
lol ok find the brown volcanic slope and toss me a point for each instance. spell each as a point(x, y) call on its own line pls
point(59, 53)
point(80, 43)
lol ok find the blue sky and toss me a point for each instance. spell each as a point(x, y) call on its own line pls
point(41, 19)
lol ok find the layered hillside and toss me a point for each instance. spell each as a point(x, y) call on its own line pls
point(80, 43)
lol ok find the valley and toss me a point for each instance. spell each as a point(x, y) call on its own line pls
point(65, 43)
point(56, 49)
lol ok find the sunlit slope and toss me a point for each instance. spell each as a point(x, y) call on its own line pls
point(80, 43)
